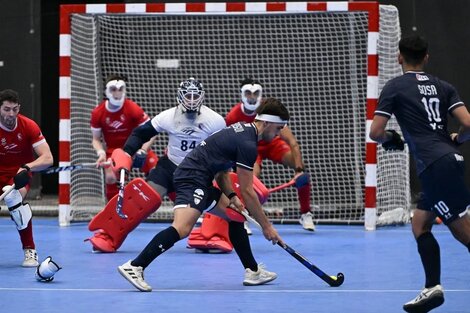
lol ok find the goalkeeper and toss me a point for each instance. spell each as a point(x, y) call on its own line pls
point(21, 140)
point(112, 121)
point(195, 193)
point(186, 124)
point(421, 103)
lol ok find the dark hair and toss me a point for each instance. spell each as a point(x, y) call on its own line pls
point(413, 48)
point(115, 77)
point(273, 106)
point(9, 95)
point(249, 81)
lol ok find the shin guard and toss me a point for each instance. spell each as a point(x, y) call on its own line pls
point(212, 236)
point(140, 200)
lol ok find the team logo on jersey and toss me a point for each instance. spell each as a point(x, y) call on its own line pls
point(4, 142)
point(19, 136)
point(198, 195)
point(421, 78)
point(122, 117)
point(188, 131)
point(115, 124)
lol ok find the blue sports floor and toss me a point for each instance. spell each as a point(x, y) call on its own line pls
point(382, 271)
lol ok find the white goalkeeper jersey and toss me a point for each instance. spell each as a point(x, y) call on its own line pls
point(185, 132)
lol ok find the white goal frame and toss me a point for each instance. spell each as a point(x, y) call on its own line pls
point(370, 205)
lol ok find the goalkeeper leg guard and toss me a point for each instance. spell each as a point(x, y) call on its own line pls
point(140, 200)
point(429, 251)
point(261, 191)
point(212, 236)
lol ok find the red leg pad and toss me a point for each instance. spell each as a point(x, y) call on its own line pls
point(212, 235)
point(140, 200)
point(258, 186)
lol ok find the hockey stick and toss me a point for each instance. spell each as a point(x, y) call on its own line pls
point(6, 192)
point(53, 170)
point(300, 181)
point(120, 199)
point(333, 281)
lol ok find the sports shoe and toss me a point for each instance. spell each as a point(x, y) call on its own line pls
point(134, 275)
point(30, 258)
point(306, 220)
point(247, 228)
point(259, 277)
point(428, 299)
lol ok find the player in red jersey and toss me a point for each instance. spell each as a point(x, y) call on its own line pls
point(19, 138)
point(112, 121)
point(284, 149)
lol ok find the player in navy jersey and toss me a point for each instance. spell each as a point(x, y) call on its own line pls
point(421, 103)
point(193, 179)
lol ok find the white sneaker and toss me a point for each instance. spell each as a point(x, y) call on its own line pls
point(306, 220)
point(134, 275)
point(260, 277)
point(247, 228)
point(30, 258)
point(428, 299)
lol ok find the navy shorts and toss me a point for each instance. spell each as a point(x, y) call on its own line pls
point(444, 189)
point(162, 174)
point(190, 191)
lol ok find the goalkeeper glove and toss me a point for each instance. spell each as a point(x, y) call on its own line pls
point(395, 143)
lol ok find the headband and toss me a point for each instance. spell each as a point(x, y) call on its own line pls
point(270, 118)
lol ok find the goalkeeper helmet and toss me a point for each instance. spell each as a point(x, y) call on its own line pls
point(251, 92)
point(190, 95)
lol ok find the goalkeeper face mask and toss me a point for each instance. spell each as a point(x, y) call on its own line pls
point(251, 96)
point(116, 94)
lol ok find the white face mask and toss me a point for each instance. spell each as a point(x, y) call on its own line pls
point(116, 94)
point(251, 96)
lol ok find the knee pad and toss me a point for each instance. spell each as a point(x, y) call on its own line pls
point(21, 214)
point(140, 200)
point(13, 198)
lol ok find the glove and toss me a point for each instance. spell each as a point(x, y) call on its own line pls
point(21, 179)
point(396, 143)
point(139, 158)
point(121, 160)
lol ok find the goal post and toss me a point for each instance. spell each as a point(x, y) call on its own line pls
point(325, 60)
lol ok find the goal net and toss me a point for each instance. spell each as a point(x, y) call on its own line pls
point(316, 62)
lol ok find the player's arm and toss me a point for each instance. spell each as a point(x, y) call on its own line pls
point(377, 129)
point(287, 135)
point(225, 184)
point(44, 159)
point(138, 137)
point(462, 115)
point(245, 179)
point(98, 145)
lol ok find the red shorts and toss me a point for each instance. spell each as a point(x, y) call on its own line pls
point(274, 150)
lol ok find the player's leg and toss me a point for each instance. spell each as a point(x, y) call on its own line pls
point(279, 151)
point(446, 195)
point(110, 179)
point(185, 216)
point(21, 214)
